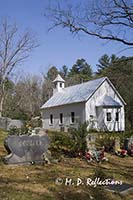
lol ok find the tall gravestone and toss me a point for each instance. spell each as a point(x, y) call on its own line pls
point(90, 141)
point(25, 149)
point(128, 142)
point(117, 144)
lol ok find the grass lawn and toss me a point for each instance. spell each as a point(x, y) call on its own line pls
point(37, 182)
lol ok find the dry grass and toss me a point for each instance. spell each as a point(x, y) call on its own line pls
point(37, 182)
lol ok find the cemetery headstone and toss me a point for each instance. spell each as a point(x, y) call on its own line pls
point(4, 122)
point(25, 149)
point(117, 144)
point(15, 123)
point(128, 142)
point(90, 140)
point(123, 189)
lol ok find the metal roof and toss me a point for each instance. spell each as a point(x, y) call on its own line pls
point(109, 102)
point(74, 94)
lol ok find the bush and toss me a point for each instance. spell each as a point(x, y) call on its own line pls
point(107, 139)
point(36, 122)
point(78, 137)
point(71, 143)
point(61, 143)
point(18, 131)
point(14, 131)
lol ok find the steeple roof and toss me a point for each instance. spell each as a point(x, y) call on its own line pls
point(59, 79)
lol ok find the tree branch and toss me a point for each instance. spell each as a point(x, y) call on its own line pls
point(107, 20)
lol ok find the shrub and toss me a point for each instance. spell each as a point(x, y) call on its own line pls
point(107, 138)
point(14, 130)
point(61, 143)
point(18, 131)
point(78, 137)
point(71, 143)
point(36, 122)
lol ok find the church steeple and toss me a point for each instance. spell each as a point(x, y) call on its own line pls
point(59, 83)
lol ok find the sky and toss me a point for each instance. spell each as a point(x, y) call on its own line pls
point(57, 47)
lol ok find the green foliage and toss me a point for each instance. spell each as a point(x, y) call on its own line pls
point(14, 131)
point(19, 131)
point(80, 72)
point(78, 137)
point(61, 143)
point(107, 138)
point(15, 112)
point(52, 73)
point(64, 71)
point(104, 139)
point(47, 86)
point(105, 62)
point(69, 144)
point(36, 122)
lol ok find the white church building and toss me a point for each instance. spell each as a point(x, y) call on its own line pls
point(96, 102)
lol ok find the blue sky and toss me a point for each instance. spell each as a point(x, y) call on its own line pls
point(57, 47)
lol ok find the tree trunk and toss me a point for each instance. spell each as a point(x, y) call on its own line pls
point(2, 96)
point(1, 105)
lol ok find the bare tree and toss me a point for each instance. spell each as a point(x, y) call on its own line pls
point(14, 49)
point(28, 94)
point(24, 99)
point(104, 19)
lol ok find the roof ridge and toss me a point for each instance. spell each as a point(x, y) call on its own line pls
point(74, 94)
point(85, 82)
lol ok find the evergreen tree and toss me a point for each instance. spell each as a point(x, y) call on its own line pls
point(64, 72)
point(47, 84)
point(80, 72)
point(120, 72)
point(104, 62)
point(52, 73)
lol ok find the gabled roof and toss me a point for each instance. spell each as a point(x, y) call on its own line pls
point(108, 101)
point(77, 93)
point(58, 78)
point(73, 94)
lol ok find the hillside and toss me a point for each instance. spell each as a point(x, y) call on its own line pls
point(37, 182)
